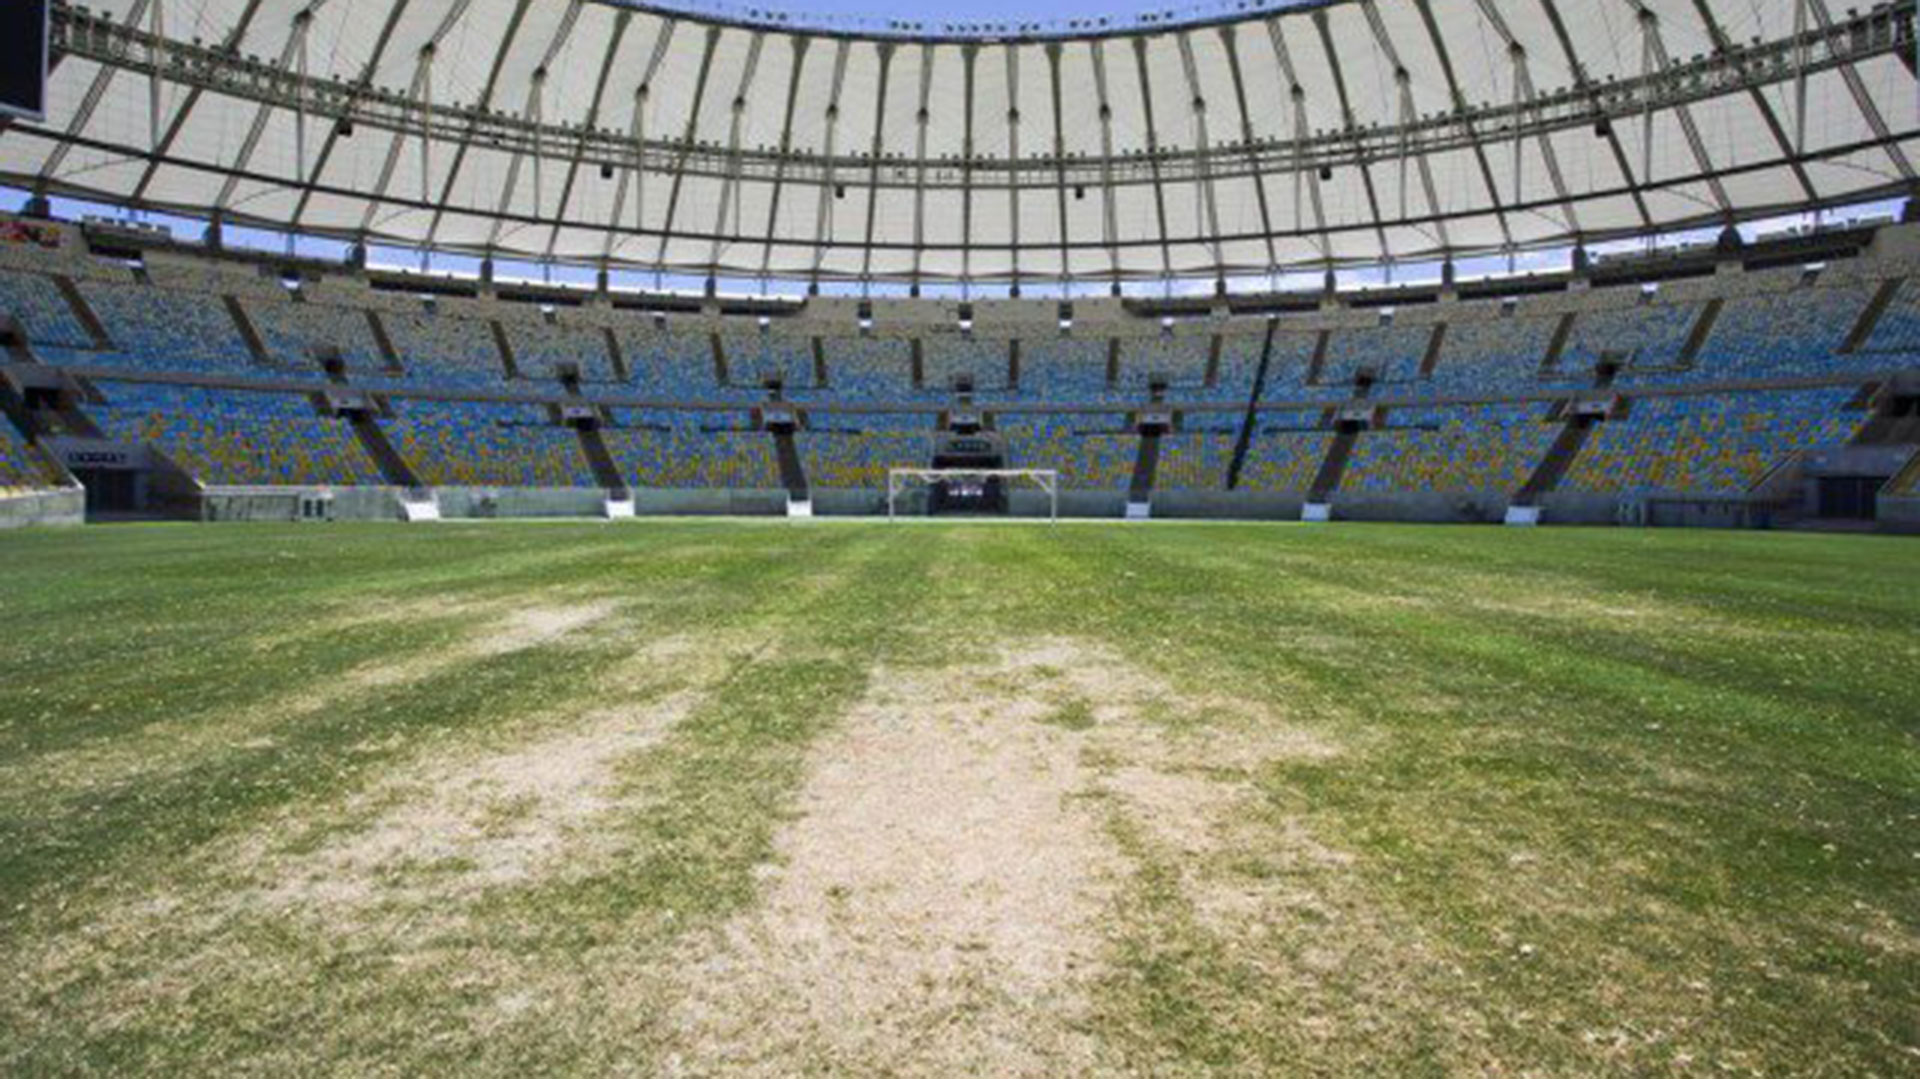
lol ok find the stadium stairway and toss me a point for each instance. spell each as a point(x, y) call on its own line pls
point(1557, 346)
point(1863, 326)
point(793, 473)
point(1333, 467)
point(1702, 331)
point(83, 312)
point(1146, 467)
point(1554, 465)
point(373, 438)
point(1895, 418)
point(606, 473)
point(249, 333)
point(389, 355)
point(616, 355)
point(505, 348)
point(1244, 441)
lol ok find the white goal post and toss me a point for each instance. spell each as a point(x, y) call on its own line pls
point(1047, 479)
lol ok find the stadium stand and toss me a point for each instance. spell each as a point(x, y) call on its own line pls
point(1477, 416)
point(294, 333)
point(1472, 448)
point(1182, 360)
point(440, 350)
point(19, 472)
point(1393, 353)
point(539, 348)
point(36, 301)
point(1714, 445)
point(677, 362)
point(1085, 449)
point(657, 448)
point(240, 439)
point(857, 451)
point(160, 329)
point(1194, 461)
point(869, 368)
point(1285, 450)
point(476, 444)
point(1488, 355)
point(981, 360)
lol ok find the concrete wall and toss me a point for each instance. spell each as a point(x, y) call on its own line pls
point(1663, 509)
point(1900, 514)
point(710, 502)
point(1430, 507)
point(283, 504)
point(1227, 505)
point(489, 502)
point(67, 506)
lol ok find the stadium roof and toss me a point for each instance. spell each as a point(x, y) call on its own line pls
point(1239, 139)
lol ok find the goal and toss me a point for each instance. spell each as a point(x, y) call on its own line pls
point(901, 480)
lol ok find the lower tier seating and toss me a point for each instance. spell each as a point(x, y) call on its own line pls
point(19, 470)
point(239, 439)
point(1709, 445)
point(464, 444)
point(691, 449)
point(857, 451)
point(1480, 448)
point(1086, 450)
point(1285, 452)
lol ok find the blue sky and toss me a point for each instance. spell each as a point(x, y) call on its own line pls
point(970, 11)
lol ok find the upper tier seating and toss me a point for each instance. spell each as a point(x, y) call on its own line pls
point(946, 357)
point(158, 329)
point(36, 301)
point(295, 333)
point(1646, 335)
point(1289, 366)
point(1070, 369)
point(1181, 360)
point(1780, 335)
point(1486, 356)
point(753, 358)
point(677, 363)
point(441, 350)
point(540, 348)
point(1393, 352)
point(869, 368)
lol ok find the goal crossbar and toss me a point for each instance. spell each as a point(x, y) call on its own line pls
point(1047, 479)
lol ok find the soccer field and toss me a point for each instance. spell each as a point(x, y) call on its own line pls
point(730, 798)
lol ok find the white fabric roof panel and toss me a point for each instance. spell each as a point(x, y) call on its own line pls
point(548, 89)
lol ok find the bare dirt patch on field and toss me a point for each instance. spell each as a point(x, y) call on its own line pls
point(534, 626)
point(159, 747)
point(932, 910)
point(458, 829)
point(939, 906)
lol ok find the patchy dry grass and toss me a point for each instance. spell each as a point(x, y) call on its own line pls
point(717, 798)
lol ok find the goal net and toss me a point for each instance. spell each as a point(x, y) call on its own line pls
point(970, 488)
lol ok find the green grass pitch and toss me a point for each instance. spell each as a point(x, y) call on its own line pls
point(732, 798)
